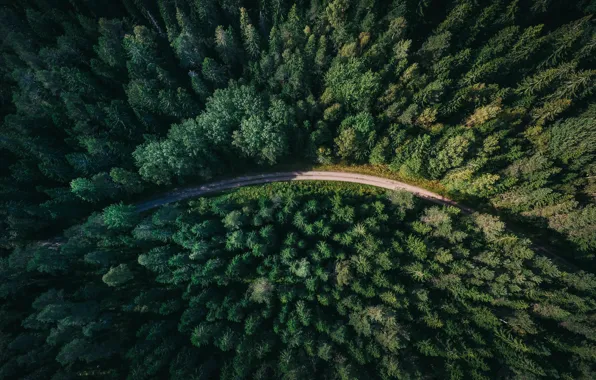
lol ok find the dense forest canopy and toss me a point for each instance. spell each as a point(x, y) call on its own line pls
point(296, 282)
point(492, 101)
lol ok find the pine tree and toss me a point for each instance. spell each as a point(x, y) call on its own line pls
point(118, 276)
point(250, 36)
point(226, 45)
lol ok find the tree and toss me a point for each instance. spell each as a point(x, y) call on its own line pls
point(226, 45)
point(578, 224)
point(250, 36)
point(198, 85)
point(490, 225)
point(572, 140)
point(356, 137)
point(111, 60)
point(161, 161)
point(213, 72)
point(410, 160)
point(261, 139)
point(120, 216)
point(100, 187)
point(448, 155)
point(152, 88)
point(261, 290)
point(351, 85)
point(130, 182)
point(186, 41)
point(435, 47)
point(118, 276)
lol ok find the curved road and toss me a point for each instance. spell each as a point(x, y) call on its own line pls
point(213, 187)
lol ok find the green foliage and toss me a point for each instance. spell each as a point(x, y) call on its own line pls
point(259, 138)
point(250, 36)
point(117, 276)
point(572, 140)
point(130, 181)
point(288, 277)
point(261, 290)
point(350, 84)
point(99, 187)
point(457, 97)
point(491, 101)
point(356, 137)
point(119, 216)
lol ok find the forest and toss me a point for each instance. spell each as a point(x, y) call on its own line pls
point(489, 102)
point(296, 282)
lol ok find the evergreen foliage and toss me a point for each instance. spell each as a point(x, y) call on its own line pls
point(460, 92)
point(490, 100)
point(295, 281)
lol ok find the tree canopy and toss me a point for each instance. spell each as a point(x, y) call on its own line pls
point(296, 281)
point(490, 102)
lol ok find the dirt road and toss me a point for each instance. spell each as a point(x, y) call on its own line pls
point(213, 187)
